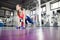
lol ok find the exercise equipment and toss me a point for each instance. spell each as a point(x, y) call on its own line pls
point(1, 24)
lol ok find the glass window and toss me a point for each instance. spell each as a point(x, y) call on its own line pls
point(1, 13)
point(33, 12)
point(11, 13)
point(7, 12)
point(44, 9)
point(59, 3)
point(54, 5)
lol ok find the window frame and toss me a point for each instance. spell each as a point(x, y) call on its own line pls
point(53, 3)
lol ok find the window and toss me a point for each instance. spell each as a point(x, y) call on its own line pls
point(8, 13)
point(44, 9)
point(59, 3)
point(54, 5)
point(12, 14)
point(33, 12)
point(1, 13)
point(43, 12)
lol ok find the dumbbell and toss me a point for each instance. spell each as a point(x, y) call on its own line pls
point(21, 20)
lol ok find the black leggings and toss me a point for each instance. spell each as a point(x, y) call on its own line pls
point(29, 20)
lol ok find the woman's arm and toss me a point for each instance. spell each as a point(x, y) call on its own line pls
point(19, 23)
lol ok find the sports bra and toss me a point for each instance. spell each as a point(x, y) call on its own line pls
point(21, 16)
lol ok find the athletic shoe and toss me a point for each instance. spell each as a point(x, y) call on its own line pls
point(17, 27)
point(23, 27)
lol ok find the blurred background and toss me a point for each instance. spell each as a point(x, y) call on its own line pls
point(44, 13)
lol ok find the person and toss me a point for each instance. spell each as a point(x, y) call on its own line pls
point(28, 19)
point(23, 17)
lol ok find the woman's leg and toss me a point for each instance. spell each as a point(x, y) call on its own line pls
point(29, 20)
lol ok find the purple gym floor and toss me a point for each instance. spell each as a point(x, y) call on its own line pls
point(29, 34)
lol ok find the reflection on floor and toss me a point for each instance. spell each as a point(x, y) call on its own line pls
point(45, 33)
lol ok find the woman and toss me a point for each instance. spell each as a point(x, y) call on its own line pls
point(21, 15)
